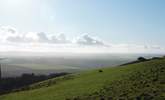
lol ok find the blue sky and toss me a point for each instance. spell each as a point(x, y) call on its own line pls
point(115, 21)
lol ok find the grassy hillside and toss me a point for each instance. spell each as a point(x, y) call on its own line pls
point(141, 81)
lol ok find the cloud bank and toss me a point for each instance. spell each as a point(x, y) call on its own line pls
point(85, 39)
point(12, 40)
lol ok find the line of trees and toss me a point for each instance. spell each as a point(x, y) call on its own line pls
point(7, 85)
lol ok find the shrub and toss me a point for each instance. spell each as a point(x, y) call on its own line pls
point(142, 59)
point(100, 70)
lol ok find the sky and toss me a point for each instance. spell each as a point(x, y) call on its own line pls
point(121, 26)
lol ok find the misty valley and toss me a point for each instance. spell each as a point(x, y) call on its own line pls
point(14, 66)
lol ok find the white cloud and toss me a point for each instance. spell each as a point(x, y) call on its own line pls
point(31, 37)
point(60, 38)
point(12, 40)
point(42, 37)
point(15, 39)
point(85, 39)
point(8, 29)
point(34, 37)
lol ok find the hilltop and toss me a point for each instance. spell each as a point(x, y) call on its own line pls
point(139, 81)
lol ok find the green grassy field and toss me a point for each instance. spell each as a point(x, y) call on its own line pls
point(141, 81)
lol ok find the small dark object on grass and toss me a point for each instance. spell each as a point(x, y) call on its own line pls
point(142, 59)
point(100, 70)
point(102, 99)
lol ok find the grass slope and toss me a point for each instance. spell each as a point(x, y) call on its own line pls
point(141, 81)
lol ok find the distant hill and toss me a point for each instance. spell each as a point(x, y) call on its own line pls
point(138, 81)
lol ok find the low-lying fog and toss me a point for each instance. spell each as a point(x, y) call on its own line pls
point(14, 64)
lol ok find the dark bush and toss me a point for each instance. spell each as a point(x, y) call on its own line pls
point(100, 70)
point(142, 59)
